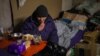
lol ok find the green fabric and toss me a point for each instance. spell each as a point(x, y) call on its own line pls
point(72, 52)
point(95, 20)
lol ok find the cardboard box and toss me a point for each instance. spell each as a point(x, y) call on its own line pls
point(91, 36)
point(89, 49)
point(98, 50)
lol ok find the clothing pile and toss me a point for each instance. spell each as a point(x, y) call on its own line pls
point(65, 33)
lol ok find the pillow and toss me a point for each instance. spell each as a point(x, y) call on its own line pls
point(80, 18)
point(69, 15)
point(78, 25)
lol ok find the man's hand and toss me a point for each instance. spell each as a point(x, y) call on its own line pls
point(41, 26)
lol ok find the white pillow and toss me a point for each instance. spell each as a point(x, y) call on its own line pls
point(78, 25)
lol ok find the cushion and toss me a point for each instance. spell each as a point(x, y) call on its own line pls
point(80, 18)
point(78, 25)
point(69, 15)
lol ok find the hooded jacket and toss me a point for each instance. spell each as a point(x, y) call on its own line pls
point(49, 33)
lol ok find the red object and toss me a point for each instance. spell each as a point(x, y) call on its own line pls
point(33, 49)
point(5, 43)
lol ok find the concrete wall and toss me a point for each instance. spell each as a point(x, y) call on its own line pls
point(5, 14)
point(54, 7)
point(66, 4)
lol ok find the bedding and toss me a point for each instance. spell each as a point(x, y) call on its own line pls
point(90, 6)
point(69, 15)
point(80, 18)
point(66, 20)
point(71, 28)
point(76, 38)
point(78, 25)
point(70, 31)
point(65, 33)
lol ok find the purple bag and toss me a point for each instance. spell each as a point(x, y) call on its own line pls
point(16, 48)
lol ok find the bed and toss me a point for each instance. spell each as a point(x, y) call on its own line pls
point(69, 21)
point(68, 36)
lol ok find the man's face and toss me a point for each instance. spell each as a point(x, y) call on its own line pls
point(41, 19)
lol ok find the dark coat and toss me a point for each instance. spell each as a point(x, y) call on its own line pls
point(49, 33)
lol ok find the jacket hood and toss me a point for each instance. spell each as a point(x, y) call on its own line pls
point(41, 11)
